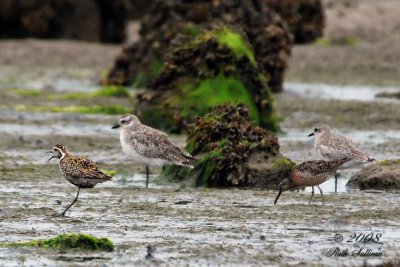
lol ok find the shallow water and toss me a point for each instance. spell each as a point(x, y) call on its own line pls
point(340, 92)
point(185, 226)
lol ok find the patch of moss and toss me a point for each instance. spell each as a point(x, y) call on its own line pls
point(105, 91)
point(110, 172)
point(107, 109)
point(388, 162)
point(111, 91)
point(144, 77)
point(191, 29)
point(68, 241)
point(26, 92)
point(213, 92)
point(282, 163)
point(236, 43)
point(343, 41)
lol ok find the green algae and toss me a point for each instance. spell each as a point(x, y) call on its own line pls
point(342, 41)
point(105, 91)
point(68, 241)
point(145, 76)
point(96, 109)
point(191, 29)
point(281, 163)
point(388, 162)
point(216, 91)
point(110, 172)
point(236, 43)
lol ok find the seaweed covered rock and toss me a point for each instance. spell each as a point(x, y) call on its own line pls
point(140, 62)
point(91, 20)
point(231, 151)
point(305, 18)
point(68, 241)
point(139, 8)
point(384, 175)
point(215, 67)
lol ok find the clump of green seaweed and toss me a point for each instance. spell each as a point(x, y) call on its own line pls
point(215, 67)
point(68, 241)
point(231, 151)
point(95, 109)
point(105, 91)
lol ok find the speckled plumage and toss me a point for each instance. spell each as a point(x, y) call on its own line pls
point(310, 173)
point(333, 146)
point(79, 171)
point(150, 146)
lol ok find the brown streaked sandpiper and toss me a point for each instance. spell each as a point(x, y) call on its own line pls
point(310, 173)
point(79, 171)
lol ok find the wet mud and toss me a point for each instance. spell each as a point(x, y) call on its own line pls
point(183, 225)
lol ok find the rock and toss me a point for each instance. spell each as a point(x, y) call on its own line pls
point(214, 67)
point(305, 18)
point(90, 20)
point(139, 8)
point(140, 62)
point(384, 175)
point(231, 151)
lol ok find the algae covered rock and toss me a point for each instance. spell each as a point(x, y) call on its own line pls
point(384, 175)
point(215, 67)
point(141, 62)
point(231, 151)
point(305, 18)
point(68, 242)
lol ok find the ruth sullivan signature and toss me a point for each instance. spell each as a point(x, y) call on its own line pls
point(359, 252)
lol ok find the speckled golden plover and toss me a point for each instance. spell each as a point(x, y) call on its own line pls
point(333, 146)
point(79, 171)
point(310, 173)
point(149, 146)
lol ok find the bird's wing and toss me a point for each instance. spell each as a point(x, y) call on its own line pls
point(350, 150)
point(153, 143)
point(87, 168)
point(317, 167)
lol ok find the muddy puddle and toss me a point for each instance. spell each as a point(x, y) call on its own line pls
point(185, 226)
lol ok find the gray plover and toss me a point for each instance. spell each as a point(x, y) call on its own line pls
point(332, 146)
point(310, 173)
point(79, 171)
point(149, 146)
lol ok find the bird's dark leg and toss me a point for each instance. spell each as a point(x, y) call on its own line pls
point(147, 176)
point(312, 195)
point(322, 195)
point(336, 177)
point(70, 205)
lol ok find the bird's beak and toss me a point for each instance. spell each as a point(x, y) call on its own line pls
point(115, 126)
point(52, 157)
point(311, 134)
point(279, 194)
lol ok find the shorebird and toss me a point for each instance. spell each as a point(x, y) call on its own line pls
point(333, 146)
point(310, 173)
point(149, 146)
point(79, 171)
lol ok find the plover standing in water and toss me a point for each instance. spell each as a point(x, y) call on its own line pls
point(79, 171)
point(149, 146)
point(333, 146)
point(310, 173)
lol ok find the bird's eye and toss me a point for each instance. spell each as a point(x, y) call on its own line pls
point(123, 121)
point(316, 130)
